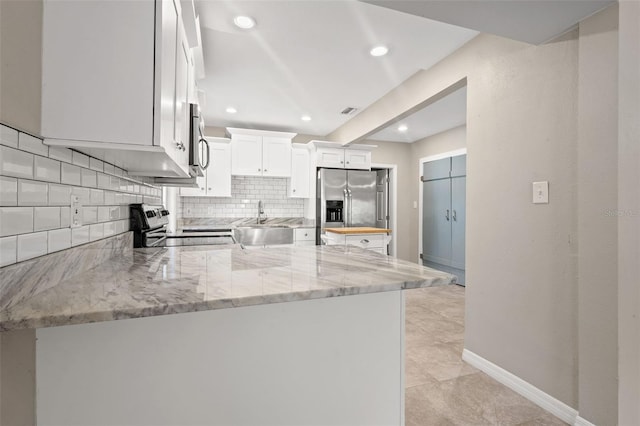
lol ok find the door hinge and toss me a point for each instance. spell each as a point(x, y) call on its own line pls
point(421, 256)
point(387, 217)
point(388, 179)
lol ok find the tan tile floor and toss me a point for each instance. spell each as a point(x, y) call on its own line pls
point(441, 389)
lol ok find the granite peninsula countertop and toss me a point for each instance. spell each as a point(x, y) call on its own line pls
point(161, 281)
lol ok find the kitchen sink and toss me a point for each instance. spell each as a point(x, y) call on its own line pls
point(263, 235)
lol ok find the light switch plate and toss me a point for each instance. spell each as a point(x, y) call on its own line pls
point(76, 211)
point(541, 192)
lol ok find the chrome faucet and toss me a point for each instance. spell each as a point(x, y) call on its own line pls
point(260, 213)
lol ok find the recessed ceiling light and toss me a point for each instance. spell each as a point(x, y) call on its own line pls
point(402, 128)
point(305, 118)
point(231, 110)
point(379, 51)
point(244, 22)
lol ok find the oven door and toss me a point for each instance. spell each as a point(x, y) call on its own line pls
point(155, 238)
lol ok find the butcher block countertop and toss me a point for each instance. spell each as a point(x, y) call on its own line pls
point(360, 230)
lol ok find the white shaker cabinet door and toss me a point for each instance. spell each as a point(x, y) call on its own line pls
point(300, 176)
point(246, 155)
point(276, 157)
point(179, 152)
point(357, 159)
point(330, 157)
point(219, 170)
point(200, 191)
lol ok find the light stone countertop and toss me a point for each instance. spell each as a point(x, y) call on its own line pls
point(161, 281)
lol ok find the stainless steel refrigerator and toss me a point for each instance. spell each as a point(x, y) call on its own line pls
point(348, 198)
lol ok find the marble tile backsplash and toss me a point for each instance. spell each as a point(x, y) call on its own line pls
point(36, 185)
point(246, 191)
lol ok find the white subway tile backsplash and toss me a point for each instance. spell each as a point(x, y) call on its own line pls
point(30, 144)
point(62, 154)
point(89, 215)
point(15, 220)
point(31, 245)
point(96, 196)
point(95, 164)
point(46, 169)
point(8, 250)
point(104, 181)
point(8, 136)
point(103, 214)
point(59, 195)
point(114, 212)
point(83, 194)
point(46, 218)
point(58, 239)
point(36, 187)
point(96, 232)
point(65, 217)
point(89, 178)
point(79, 235)
point(109, 197)
point(246, 192)
point(32, 193)
point(124, 212)
point(80, 159)
point(8, 191)
point(109, 229)
point(71, 175)
point(15, 163)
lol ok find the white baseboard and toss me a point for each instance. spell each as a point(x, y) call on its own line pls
point(532, 393)
point(582, 422)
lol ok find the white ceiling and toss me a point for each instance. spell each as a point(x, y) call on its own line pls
point(310, 57)
point(531, 21)
point(444, 114)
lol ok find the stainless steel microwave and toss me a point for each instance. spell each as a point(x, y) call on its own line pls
point(199, 153)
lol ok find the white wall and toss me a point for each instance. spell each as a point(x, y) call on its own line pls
point(597, 182)
point(521, 268)
point(446, 141)
point(629, 209)
point(21, 64)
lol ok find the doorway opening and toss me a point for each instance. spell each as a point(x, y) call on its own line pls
point(443, 212)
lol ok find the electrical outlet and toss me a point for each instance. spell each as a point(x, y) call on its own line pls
point(541, 192)
point(76, 211)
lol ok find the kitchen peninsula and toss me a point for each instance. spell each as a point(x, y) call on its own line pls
point(232, 354)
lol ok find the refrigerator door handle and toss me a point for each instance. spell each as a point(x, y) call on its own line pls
point(350, 201)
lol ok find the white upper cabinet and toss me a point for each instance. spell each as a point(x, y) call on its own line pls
point(120, 93)
point(217, 179)
point(330, 157)
point(246, 155)
point(299, 184)
point(260, 153)
point(333, 155)
point(276, 157)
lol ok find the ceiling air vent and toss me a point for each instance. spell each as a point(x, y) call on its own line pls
point(348, 110)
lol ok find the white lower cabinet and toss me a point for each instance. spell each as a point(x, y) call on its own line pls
point(299, 184)
point(217, 179)
point(304, 236)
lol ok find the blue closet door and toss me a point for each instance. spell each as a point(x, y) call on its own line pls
point(436, 221)
point(458, 220)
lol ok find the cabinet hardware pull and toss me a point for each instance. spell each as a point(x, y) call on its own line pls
point(209, 189)
point(265, 170)
point(341, 162)
point(347, 162)
point(364, 241)
point(258, 169)
point(294, 190)
point(447, 215)
point(455, 216)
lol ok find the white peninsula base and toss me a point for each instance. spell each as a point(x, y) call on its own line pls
point(328, 361)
